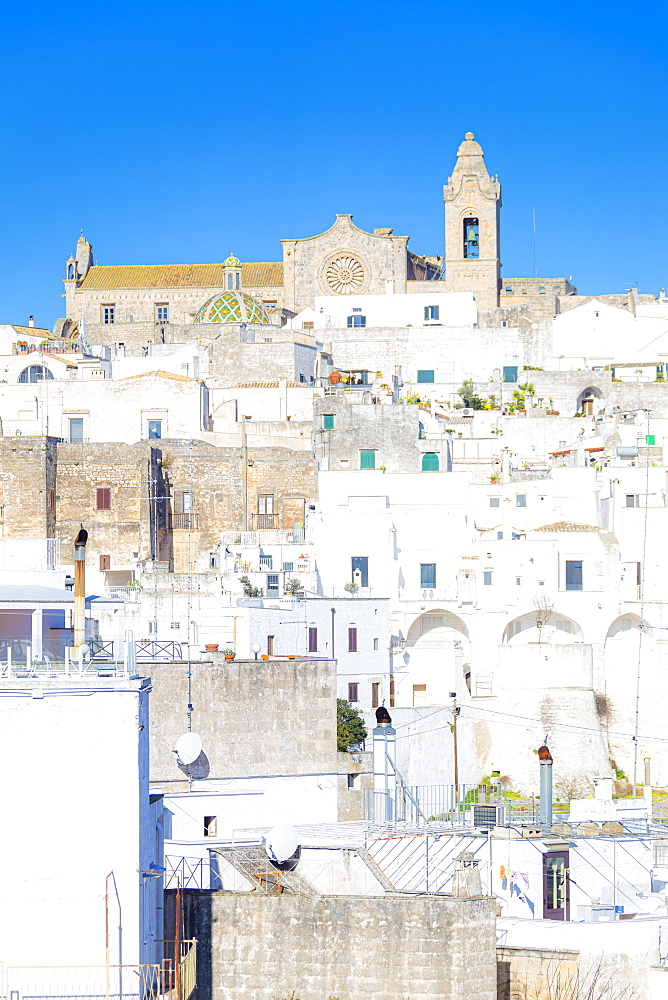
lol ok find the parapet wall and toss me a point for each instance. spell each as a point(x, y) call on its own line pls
point(376, 947)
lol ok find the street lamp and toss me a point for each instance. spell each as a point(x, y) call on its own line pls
point(255, 648)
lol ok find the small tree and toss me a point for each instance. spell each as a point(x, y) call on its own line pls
point(352, 588)
point(350, 728)
point(544, 606)
point(293, 585)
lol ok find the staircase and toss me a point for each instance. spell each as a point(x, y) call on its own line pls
point(255, 866)
point(375, 870)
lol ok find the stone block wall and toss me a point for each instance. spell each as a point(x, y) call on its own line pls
point(28, 486)
point(255, 717)
point(376, 947)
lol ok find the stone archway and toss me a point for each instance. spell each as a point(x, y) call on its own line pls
point(558, 629)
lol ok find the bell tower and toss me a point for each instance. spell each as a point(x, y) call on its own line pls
point(472, 213)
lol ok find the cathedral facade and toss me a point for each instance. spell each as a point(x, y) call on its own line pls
point(143, 303)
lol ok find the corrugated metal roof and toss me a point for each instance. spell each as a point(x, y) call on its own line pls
point(107, 277)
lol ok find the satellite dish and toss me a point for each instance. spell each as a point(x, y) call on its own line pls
point(188, 748)
point(281, 843)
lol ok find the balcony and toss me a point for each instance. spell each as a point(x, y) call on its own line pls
point(265, 521)
point(275, 536)
point(185, 522)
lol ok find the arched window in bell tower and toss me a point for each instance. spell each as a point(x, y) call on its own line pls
point(232, 273)
point(471, 237)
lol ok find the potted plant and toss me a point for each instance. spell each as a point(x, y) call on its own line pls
point(211, 647)
point(229, 653)
point(352, 588)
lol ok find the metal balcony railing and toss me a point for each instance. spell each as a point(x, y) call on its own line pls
point(187, 522)
point(263, 521)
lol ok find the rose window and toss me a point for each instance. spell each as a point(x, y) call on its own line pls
point(344, 274)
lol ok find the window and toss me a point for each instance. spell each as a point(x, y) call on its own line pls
point(52, 499)
point(556, 895)
point(425, 375)
point(632, 499)
point(233, 280)
point(288, 567)
point(368, 459)
point(499, 535)
point(183, 502)
point(356, 321)
point(108, 314)
point(419, 694)
point(312, 640)
point(495, 501)
point(272, 584)
point(431, 312)
point(510, 373)
point(573, 574)
point(428, 575)
point(36, 373)
point(352, 639)
point(375, 694)
point(351, 780)
point(265, 504)
point(105, 563)
point(360, 570)
point(518, 581)
point(375, 643)
point(328, 421)
point(471, 238)
point(162, 314)
point(266, 562)
point(430, 462)
point(270, 645)
point(353, 690)
point(155, 428)
point(210, 826)
point(487, 578)
point(308, 324)
point(104, 498)
point(650, 439)
point(520, 500)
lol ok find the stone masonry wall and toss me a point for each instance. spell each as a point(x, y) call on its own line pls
point(255, 717)
point(376, 947)
point(27, 479)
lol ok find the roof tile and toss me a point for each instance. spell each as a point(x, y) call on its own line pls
point(254, 275)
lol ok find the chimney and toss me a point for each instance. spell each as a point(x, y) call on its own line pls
point(545, 812)
point(80, 587)
point(31, 321)
point(466, 878)
point(384, 780)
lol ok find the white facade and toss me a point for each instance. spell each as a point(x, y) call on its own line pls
point(77, 808)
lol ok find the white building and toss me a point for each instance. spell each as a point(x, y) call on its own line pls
point(80, 823)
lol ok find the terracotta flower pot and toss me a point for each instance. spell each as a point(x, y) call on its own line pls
point(211, 647)
point(229, 656)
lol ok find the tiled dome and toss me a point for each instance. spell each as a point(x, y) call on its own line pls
point(232, 261)
point(232, 307)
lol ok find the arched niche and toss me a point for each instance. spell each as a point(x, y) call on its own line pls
point(628, 626)
point(587, 400)
point(558, 629)
point(434, 627)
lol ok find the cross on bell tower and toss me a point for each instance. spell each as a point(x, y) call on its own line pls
point(472, 215)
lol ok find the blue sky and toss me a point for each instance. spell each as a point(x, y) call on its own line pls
point(173, 133)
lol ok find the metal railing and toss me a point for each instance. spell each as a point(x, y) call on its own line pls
point(145, 982)
point(128, 593)
point(264, 536)
point(417, 805)
point(187, 522)
point(100, 650)
point(265, 521)
point(189, 873)
point(157, 649)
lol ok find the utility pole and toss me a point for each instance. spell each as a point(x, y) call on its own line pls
point(455, 713)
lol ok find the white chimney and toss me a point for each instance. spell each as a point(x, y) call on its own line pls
point(31, 321)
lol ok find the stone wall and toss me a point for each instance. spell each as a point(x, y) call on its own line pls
point(218, 479)
point(535, 972)
point(393, 432)
point(27, 487)
point(376, 947)
point(255, 717)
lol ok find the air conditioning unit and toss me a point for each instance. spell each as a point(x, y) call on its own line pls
point(467, 411)
point(488, 817)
